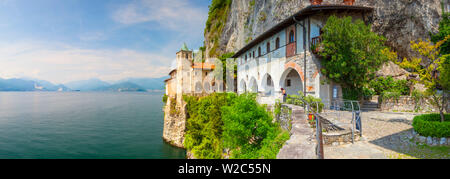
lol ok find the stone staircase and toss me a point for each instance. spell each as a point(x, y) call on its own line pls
point(370, 105)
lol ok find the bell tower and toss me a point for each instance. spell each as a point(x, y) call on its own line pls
point(184, 63)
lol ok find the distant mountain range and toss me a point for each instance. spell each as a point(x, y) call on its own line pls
point(129, 84)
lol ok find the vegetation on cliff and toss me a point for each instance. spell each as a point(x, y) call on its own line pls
point(204, 124)
point(431, 65)
point(217, 17)
point(227, 121)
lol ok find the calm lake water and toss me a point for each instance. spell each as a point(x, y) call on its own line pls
point(51, 125)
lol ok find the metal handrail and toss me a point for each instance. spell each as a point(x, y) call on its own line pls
point(337, 105)
point(319, 138)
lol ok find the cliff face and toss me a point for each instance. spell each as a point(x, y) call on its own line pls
point(400, 21)
point(174, 124)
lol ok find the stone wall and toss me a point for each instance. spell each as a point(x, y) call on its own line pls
point(285, 118)
point(432, 141)
point(407, 104)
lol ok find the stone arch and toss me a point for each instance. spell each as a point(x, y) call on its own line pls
point(268, 85)
point(292, 79)
point(243, 86)
point(253, 85)
point(207, 86)
point(198, 87)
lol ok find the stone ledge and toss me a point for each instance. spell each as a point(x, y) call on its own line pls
point(432, 141)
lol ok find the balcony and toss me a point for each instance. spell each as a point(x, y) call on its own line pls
point(291, 49)
point(315, 42)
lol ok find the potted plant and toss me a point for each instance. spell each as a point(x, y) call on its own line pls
point(311, 116)
point(349, 2)
point(314, 48)
point(315, 2)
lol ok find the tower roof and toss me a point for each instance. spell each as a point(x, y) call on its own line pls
point(184, 47)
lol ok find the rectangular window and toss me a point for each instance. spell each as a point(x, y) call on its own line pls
point(288, 83)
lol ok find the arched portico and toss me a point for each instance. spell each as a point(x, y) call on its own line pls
point(207, 87)
point(243, 86)
point(267, 85)
point(198, 87)
point(291, 81)
point(253, 86)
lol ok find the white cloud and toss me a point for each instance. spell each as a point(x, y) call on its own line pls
point(60, 63)
point(178, 15)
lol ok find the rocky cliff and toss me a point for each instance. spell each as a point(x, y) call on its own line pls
point(400, 21)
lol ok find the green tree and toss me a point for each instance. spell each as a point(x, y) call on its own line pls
point(351, 52)
point(204, 126)
point(432, 69)
point(444, 31)
point(249, 131)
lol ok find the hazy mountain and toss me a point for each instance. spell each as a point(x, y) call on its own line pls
point(129, 84)
point(123, 87)
point(147, 83)
point(48, 86)
point(27, 84)
point(87, 85)
point(16, 85)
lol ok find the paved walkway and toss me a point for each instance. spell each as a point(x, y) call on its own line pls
point(386, 135)
point(300, 145)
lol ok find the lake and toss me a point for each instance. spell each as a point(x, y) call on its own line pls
point(82, 125)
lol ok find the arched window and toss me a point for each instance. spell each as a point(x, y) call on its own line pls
point(269, 81)
point(291, 37)
point(268, 47)
point(187, 56)
point(259, 51)
point(277, 43)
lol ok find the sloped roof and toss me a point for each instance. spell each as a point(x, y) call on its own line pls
point(206, 66)
point(300, 15)
point(184, 47)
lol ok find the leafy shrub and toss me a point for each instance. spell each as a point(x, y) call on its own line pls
point(367, 93)
point(277, 108)
point(248, 129)
point(390, 95)
point(418, 98)
point(351, 93)
point(204, 125)
point(173, 107)
point(226, 120)
point(430, 125)
point(314, 102)
point(164, 99)
point(389, 84)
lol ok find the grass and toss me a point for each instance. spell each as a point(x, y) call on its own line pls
point(422, 151)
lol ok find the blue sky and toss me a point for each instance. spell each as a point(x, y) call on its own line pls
point(69, 40)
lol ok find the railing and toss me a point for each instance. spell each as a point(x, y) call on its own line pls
point(336, 107)
point(315, 41)
point(308, 106)
point(333, 106)
point(291, 49)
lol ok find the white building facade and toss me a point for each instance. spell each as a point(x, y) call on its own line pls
point(282, 56)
